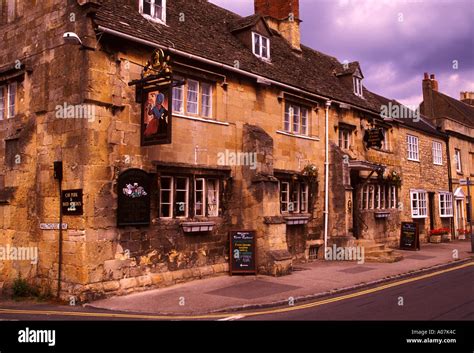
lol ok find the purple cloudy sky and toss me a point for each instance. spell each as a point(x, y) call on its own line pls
point(395, 41)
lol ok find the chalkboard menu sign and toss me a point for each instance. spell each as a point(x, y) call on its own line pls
point(133, 190)
point(71, 202)
point(242, 252)
point(410, 236)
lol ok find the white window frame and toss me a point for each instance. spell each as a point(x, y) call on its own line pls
point(304, 198)
point(206, 84)
point(175, 190)
point(284, 197)
point(216, 191)
point(421, 209)
point(345, 138)
point(151, 16)
point(289, 120)
point(255, 35)
point(12, 87)
point(437, 153)
point(3, 102)
point(177, 89)
point(358, 86)
point(457, 160)
point(445, 204)
point(197, 95)
point(203, 191)
point(392, 203)
point(171, 200)
point(413, 148)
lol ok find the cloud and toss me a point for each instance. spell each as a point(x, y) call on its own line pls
point(395, 41)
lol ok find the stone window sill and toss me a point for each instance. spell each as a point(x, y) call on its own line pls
point(304, 137)
point(205, 120)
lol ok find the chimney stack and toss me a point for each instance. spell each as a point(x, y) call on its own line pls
point(282, 16)
point(429, 84)
point(434, 83)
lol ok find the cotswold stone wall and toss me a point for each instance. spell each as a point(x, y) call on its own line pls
point(423, 175)
point(48, 74)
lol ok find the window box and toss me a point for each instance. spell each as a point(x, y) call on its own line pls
point(195, 227)
point(296, 220)
point(382, 214)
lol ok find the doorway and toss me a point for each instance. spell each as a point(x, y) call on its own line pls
point(459, 215)
point(431, 210)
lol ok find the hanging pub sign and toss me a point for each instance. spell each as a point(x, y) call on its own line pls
point(133, 190)
point(153, 91)
point(71, 202)
point(242, 252)
point(156, 116)
point(373, 137)
point(410, 236)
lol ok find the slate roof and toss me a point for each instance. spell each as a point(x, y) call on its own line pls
point(244, 22)
point(422, 123)
point(453, 108)
point(205, 33)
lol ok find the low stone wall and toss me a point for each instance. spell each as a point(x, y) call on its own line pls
point(149, 281)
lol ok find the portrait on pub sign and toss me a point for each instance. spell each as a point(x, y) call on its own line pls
point(156, 116)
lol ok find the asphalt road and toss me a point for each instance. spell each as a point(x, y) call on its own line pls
point(445, 296)
point(448, 296)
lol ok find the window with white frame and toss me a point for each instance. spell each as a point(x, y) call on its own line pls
point(296, 119)
point(437, 153)
point(261, 46)
point(344, 138)
point(357, 86)
point(153, 9)
point(206, 197)
point(8, 100)
point(412, 148)
point(377, 196)
point(166, 197)
point(193, 98)
point(418, 204)
point(175, 195)
point(457, 160)
point(294, 197)
point(446, 204)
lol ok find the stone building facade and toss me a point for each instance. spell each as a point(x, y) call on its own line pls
point(247, 149)
point(456, 119)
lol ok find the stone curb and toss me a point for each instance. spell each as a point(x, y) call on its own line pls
point(301, 299)
point(304, 298)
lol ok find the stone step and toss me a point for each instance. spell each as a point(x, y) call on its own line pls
point(385, 259)
point(381, 252)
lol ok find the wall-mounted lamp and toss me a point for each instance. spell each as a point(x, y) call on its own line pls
point(73, 38)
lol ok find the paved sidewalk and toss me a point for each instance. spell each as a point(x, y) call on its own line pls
point(310, 280)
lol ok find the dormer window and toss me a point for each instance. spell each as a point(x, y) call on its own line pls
point(261, 46)
point(154, 10)
point(357, 86)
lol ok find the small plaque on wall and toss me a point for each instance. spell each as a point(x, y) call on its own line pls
point(133, 190)
point(71, 202)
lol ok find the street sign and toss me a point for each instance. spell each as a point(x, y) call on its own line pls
point(464, 182)
point(242, 252)
point(51, 226)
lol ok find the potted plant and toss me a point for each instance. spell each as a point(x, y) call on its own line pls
point(436, 235)
point(462, 234)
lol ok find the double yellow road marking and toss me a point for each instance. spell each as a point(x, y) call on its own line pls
point(226, 315)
